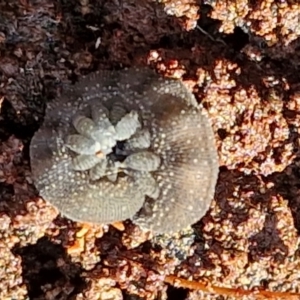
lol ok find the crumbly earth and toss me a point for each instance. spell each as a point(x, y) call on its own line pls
point(240, 60)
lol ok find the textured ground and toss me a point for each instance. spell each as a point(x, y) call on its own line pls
point(241, 61)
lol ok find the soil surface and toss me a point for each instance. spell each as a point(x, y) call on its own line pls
point(241, 59)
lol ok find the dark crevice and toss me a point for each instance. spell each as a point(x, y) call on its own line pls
point(176, 293)
point(12, 123)
point(237, 40)
point(46, 268)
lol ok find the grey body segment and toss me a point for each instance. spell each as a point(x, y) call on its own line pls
point(127, 126)
point(100, 115)
point(99, 170)
point(105, 132)
point(146, 184)
point(85, 162)
point(84, 126)
point(142, 161)
point(82, 145)
point(117, 112)
point(140, 140)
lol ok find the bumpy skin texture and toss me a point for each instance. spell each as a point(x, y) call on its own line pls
point(175, 194)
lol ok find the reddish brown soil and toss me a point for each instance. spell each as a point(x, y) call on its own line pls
point(242, 62)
